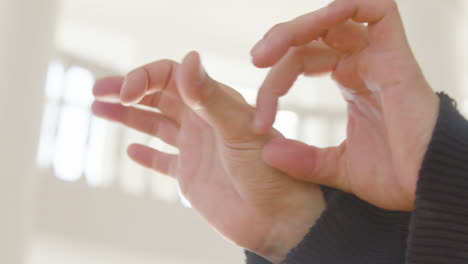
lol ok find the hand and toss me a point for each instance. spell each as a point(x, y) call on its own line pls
point(219, 166)
point(391, 108)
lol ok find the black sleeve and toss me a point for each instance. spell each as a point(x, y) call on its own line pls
point(352, 231)
point(439, 225)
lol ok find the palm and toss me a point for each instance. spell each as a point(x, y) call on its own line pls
point(229, 185)
point(379, 157)
point(367, 150)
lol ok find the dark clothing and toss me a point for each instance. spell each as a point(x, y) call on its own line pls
point(350, 231)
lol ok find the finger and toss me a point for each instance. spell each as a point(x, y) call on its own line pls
point(315, 25)
point(347, 37)
point(151, 123)
point(153, 159)
point(109, 89)
point(311, 59)
point(307, 163)
point(209, 100)
point(172, 106)
point(150, 78)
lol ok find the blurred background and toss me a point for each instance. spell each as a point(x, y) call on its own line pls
point(68, 194)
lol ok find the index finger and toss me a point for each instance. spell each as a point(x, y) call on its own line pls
point(313, 26)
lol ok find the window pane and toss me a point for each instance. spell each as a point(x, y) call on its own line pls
point(102, 153)
point(71, 143)
point(54, 83)
point(78, 86)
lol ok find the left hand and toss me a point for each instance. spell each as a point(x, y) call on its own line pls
point(392, 110)
point(219, 166)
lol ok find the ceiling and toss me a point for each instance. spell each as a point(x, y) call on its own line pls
point(142, 30)
point(122, 34)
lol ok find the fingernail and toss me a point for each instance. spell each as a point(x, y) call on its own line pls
point(132, 102)
point(122, 89)
point(122, 100)
point(124, 83)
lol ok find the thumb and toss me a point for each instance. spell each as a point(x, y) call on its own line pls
point(216, 104)
point(307, 163)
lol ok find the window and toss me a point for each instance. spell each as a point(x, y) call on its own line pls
point(76, 146)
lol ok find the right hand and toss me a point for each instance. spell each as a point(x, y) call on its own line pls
point(391, 108)
point(219, 166)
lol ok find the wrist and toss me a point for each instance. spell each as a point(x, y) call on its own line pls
point(428, 107)
point(291, 226)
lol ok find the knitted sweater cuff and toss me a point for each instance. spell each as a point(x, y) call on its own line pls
point(350, 230)
point(439, 229)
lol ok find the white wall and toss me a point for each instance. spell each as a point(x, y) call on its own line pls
point(434, 28)
point(25, 44)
